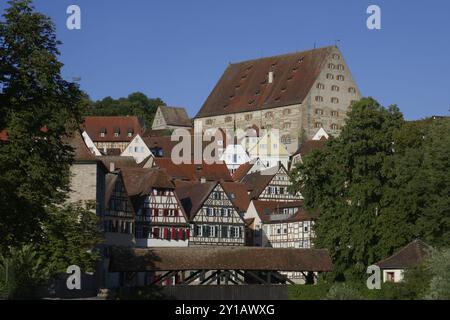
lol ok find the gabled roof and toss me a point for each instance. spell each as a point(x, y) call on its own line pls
point(139, 181)
point(244, 86)
point(81, 151)
point(175, 116)
point(256, 183)
point(194, 172)
point(237, 193)
point(242, 171)
point(410, 256)
point(267, 210)
point(94, 126)
point(193, 195)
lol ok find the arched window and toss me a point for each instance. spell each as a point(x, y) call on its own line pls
point(340, 78)
point(319, 112)
point(320, 86)
point(334, 126)
point(340, 67)
point(351, 90)
point(334, 88)
point(330, 76)
point(318, 125)
point(334, 100)
point(319, 99)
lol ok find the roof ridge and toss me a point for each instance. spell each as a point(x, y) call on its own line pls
point(283, 55)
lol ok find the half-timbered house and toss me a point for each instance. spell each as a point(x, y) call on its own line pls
point(277, 224)
point(160, 219)
point(271, 185)
point(216, 211)
point(118, 220)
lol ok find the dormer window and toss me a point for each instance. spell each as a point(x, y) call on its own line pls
point(102, 132)
point(116, 132)
point(130, 132)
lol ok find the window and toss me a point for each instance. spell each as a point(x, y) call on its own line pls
point(340, 78)
point(286, 112)
point(330, 76)
point(334, 88)
point(334, 100)
point(286, 139)
point(319, 99)
point(331, 66)
point(351, 90)
point(320, 86)
point(335, 113)
point(340, 67)
point(319, 112)
point(334, 126)
point(209, 122)
point(336, 56)
point(228, 119)
point(390, 276)
point(318, 125)
point(248, 117)
point(286, 125)
point(269, 115)
point(102, 134)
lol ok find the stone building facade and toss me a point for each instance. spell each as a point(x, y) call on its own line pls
point(297, 94)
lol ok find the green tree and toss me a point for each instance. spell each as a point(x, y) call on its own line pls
point(136, 104)
point(439, 266)
point(21, 273)
point(38, 109)
point(70, 235)
point(345, 183)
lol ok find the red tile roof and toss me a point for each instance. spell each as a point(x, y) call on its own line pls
point(4, 135)
point(244, 86)
point(242, 171)
point(94, 126)
point(237, 193)
point(194, 172)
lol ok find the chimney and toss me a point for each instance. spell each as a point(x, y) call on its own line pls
point(270, 77)
point(112, 167)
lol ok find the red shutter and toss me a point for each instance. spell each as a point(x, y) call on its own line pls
point(174, 232)
point(166, 231)
point(180, 234)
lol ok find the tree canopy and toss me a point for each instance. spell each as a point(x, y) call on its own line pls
point(136, 104)
point(382, 183)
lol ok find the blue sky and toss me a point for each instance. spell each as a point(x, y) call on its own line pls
point(177, 50)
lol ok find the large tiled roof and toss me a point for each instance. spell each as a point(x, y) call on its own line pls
point(407, 257)
point(219, 258)
point(175, 116)
point(242, 171)
point(123, 125)
point(194, 172)
point(244, 86)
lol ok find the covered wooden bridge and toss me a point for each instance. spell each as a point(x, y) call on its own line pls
point(217, 265)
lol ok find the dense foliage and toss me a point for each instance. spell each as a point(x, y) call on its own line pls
point(38, 109)
point(382, 183)
point(39, 235)
point(136, 104)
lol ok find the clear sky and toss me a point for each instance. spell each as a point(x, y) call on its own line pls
point(177, 50)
